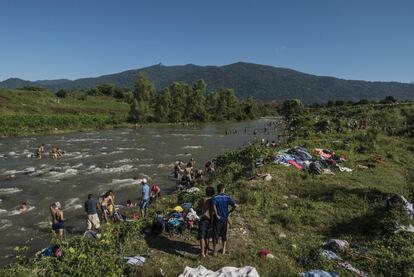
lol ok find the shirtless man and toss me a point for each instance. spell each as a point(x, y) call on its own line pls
point(57, 218)
point(41, 151)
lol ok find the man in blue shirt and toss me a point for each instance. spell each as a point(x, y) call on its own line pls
point(145, 197)
point(91, 207)
point(221, 203)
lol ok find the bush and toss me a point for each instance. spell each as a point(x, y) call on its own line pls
point(61, 93)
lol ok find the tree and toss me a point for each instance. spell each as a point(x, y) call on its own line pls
point(141, 106)
point(163, 106)
point(106, 89)
point(196, 102)
point(61, 93)
point(292, 106)
point(250, 108)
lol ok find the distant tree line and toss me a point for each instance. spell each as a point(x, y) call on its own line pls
point(182, 102)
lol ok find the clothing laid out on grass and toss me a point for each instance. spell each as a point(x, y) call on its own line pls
point(227, 271)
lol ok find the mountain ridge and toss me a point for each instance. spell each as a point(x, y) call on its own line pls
point(263, 82)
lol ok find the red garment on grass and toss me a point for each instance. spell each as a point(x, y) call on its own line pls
point(295, 164)
point(264, 252)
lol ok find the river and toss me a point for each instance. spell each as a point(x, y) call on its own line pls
point(95, 162)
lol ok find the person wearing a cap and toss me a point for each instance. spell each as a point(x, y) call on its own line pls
point(57, 218)
point(145, 197)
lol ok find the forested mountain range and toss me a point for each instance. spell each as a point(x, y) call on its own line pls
point(260, 81)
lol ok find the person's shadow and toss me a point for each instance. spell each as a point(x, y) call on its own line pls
point(173, 247)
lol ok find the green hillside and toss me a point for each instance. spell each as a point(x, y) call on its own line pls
point(247, 79)
point(36, 112)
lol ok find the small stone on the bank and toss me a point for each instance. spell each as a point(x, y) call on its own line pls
point(285, 197)
point(282, 235)
point(294, 196)
point(285, 205)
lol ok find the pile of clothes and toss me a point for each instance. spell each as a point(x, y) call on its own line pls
point(300, 158)
point(181, 217)
point(396, 200)
point(329, 251)
point(227, 271)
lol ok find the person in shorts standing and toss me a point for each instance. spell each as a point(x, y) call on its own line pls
point(221, 203)
point(145, 197)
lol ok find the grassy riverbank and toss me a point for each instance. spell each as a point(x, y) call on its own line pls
point(39, 112)
point(292, 215)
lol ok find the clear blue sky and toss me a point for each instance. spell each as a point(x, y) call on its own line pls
point(352, 39)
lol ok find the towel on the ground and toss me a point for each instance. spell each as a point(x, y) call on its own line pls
point(227, 271)
point(135, 260)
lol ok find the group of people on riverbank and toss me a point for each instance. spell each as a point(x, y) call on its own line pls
point(214, 210)
point(187, 175)
point(105, 205)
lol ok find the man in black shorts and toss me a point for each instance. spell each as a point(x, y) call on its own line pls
point(221, 203)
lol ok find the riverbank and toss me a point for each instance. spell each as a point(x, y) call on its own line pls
point(292, 215)
point(33, 113)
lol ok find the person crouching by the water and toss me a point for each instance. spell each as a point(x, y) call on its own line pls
point(145, 197)
point(206, 223)
point(155, 192)
point(91, 209)
point(59, 152)
point(41, 151)
point(221, 203)
point(57, 218)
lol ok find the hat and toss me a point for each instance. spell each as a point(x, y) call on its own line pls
point(144, 181)
point(58, 205)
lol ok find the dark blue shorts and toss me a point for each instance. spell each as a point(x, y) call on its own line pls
point(58, 225)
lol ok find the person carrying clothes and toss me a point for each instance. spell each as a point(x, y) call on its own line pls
point(91, 209)
point(206, 222)
point(145, 197)
point(57, 218)
point(221, 203)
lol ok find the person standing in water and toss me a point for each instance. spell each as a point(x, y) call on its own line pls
point(221, 203)
point(41, 151)
point(145, 197)
point(91, 209)
point(57, 218)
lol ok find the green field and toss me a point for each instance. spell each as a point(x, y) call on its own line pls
point(39, 112)
point(292, 215)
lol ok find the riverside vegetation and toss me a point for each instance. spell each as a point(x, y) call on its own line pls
point(32, 110)
point(292, 215)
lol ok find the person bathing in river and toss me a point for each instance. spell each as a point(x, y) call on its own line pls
point(178, 170)
point(23, 207)
point(57, 218)
point(129, 204)
point(205, 225)
point(41, 151)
